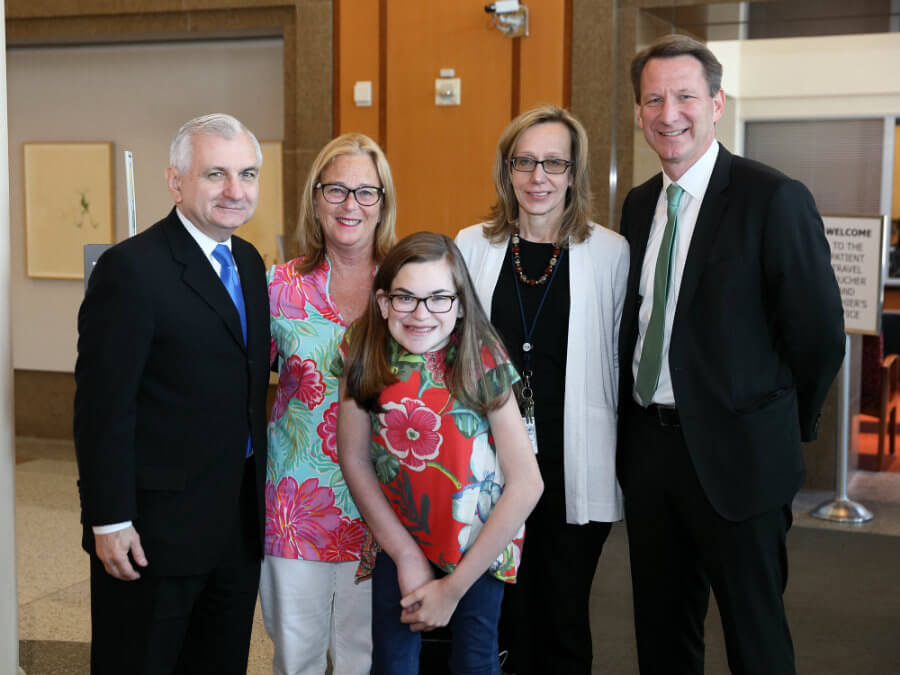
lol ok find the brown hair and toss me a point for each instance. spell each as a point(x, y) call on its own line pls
point(505, 211)
point(310, 238)
point(669, 47)
point(367, 370)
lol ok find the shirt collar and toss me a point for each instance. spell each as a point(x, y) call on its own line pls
point(206, 243)
point(695, 179)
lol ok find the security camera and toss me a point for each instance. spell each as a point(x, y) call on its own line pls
point(502, 7)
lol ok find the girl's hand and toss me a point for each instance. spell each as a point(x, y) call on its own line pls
point(413, 572)
point(430, 606)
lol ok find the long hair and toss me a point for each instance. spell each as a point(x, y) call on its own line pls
point(310, 238)
point(576, 216)
point(367, 368)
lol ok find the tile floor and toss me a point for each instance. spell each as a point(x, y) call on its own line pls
point(54, 619)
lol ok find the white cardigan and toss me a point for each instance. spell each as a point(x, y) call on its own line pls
point(598, 273)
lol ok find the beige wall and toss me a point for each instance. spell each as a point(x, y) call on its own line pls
point(135, 96)
point(838, 76)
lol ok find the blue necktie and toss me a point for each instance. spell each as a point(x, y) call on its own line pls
point(232, 283)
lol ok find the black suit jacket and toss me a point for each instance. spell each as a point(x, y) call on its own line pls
point(167, 393)
point(757, 336)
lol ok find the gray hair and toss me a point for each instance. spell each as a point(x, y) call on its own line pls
point(216, 124)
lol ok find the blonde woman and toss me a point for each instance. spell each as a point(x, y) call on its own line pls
point(553, 283)
point(314, 533)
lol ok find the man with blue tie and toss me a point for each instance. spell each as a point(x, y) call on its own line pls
point(171, 383)
point(732, 332)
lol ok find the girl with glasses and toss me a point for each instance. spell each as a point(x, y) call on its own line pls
point(554, 283)
point(436, 457)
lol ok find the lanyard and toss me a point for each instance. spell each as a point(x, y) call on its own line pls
point(527, 345)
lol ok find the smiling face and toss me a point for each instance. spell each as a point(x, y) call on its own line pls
point(542, 196)
point(421, 331)
point(676, 111)
point(348, 225)
point(219, 191)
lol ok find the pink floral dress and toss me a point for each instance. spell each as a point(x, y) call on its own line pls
point(309, 512)
point(436, 461)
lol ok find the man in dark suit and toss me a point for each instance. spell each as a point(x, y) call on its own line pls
point(171, 379)
point(731, 335)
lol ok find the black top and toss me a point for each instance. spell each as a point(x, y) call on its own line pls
point(548, 356)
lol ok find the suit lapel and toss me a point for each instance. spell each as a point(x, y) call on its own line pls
point(709, 223)
point(639, 219)
point(200, 276)
point(639, 230)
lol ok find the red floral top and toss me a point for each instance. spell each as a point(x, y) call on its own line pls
point(436, 460)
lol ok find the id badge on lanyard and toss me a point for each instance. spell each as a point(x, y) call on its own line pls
point(527, 394)
point(527, 407)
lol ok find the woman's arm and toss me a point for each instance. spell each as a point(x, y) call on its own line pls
point(354, 436)
point(438, 599)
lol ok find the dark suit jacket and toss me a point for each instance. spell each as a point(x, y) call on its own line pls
point(167, 393)
point(757, 336)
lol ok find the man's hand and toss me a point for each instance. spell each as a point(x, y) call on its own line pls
point(113, 550)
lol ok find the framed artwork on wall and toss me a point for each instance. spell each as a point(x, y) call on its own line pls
point(266, 226)
point(68, 203)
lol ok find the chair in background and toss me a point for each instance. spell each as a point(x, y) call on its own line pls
point(880, 394)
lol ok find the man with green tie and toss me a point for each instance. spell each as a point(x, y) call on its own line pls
point(731, 335)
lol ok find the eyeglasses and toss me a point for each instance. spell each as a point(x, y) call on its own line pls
point(365, 195)
point(436, 304)
point(549, 165)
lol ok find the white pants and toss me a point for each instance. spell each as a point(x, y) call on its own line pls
point(310, 607)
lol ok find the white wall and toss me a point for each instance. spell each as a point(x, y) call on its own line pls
point(9, 614)
point(798, 78)
point(135, 96)
point(819, 77)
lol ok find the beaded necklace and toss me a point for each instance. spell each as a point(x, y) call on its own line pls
point(517, 263)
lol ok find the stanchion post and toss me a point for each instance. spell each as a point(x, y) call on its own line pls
point(842, 509)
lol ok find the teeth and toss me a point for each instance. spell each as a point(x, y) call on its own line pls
point(672, 133)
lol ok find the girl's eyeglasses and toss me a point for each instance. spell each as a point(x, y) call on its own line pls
point(436, 304)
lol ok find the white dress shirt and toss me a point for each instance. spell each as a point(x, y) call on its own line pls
point(207, 244)
point(694, 182)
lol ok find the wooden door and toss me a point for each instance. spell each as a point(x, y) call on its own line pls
point(442, 156)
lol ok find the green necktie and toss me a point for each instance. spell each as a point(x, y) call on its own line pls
point(651, 353)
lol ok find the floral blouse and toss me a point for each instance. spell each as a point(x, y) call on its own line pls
point(436, 461)
point(309, 512)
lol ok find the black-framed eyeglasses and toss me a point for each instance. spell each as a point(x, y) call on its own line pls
point(365, 195)
point(436, 304)
point(549, 165)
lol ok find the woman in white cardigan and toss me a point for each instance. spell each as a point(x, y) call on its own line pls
point(553, 283)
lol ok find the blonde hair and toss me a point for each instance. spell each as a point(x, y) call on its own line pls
point(310, 239)
point(367, 367)
point(576, 216)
